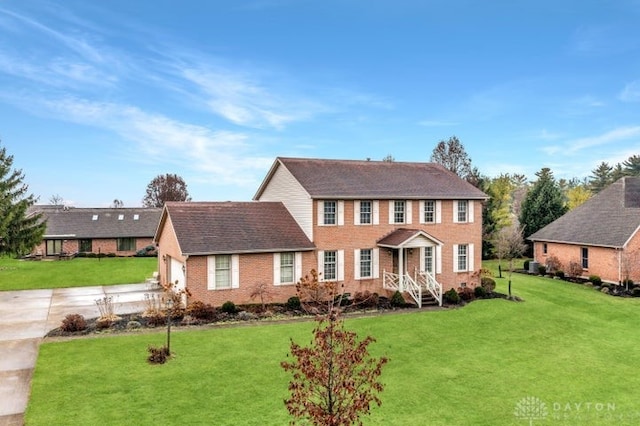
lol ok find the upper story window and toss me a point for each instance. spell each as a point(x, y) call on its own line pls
point(399, 211)
point(365, 212)
point(429, 211)
point(463, 210)
point(329, 213)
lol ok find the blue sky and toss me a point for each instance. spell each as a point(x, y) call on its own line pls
point(98, 98)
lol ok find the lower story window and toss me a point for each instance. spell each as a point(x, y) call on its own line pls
point(126, 244)
point(223, 271)
point(462, 257)
point(85, 246)
point(330, 265)
point(585, 258)
point(54, 246)
point(365, 263)
point(286, 268)
point(428, 259)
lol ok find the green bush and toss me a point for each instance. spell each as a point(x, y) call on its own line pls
point(526, 265)
point(73, 322)
point(542, 270)
point(293, 303)
point(488, 284)
point(627, 283)
point(479, 292)
point(595, 279)
point(451, 296)
point(229, 307)
point(466, 293)
point(397, 299)
point(560, 274)
point(636, 292)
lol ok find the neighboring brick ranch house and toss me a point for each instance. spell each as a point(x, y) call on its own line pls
point(121, 231)
point(601, 235)
point(370, 226)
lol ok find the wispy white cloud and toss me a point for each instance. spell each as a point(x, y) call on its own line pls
point(630, 92)
point(574, 146)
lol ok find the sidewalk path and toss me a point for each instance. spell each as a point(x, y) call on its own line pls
point(27, 316)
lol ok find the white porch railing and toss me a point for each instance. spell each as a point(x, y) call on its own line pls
point(427, 281)
point(403, 283)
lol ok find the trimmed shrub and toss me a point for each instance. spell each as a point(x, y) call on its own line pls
point(542, 270)
point(488, 284)
point(466, 293)
point(480, 292)
point(560, 274)
point(451, 296)
point(293, 303)
point(526, 265)
point(73, 322)
point(157, 355)
point(635, 292)
point(229, 307)
point(200, 310)
point(397, 299)
point(595, 280)
point(627, 283)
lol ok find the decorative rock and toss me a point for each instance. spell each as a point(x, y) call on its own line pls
point(133, 325)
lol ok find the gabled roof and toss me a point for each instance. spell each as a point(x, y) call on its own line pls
point(234, 227)
point(609, 219)
point(374, 180)
point(400, 237)
point(88, 223)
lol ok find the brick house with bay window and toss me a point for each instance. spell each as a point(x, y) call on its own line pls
point(371, 226)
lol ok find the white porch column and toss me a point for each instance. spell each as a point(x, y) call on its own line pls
point(401, 268)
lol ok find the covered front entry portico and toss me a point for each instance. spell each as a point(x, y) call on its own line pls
point(416, 261)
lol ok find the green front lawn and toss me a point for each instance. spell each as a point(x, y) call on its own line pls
point(572, 348)
point(78, 272)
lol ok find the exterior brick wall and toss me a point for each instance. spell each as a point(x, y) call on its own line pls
point(610, 264)
point(98, 245)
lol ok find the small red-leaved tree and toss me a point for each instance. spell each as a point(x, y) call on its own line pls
point(335, 380)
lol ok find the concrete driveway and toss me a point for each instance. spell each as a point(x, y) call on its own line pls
point(26, 316)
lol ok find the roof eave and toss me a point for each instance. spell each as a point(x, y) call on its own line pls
point(253, 251)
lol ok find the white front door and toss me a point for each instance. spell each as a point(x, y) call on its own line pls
point(176, 275)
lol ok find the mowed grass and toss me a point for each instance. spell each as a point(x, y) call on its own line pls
point(572, 348)
point(27, 275)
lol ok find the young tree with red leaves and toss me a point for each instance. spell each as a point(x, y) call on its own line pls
point(335, 380)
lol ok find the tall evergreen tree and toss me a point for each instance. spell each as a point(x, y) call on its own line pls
point(543, 204)
point(632, 166)
point(617, 173)
point(20, 231)
point(600, 177)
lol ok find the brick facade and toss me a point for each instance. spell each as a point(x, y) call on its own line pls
point(98, 245)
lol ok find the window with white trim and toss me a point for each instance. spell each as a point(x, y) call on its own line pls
point(366, 263)
point(462, 256)
point(399, 211)
point(463, 210)
point(429, 211)
point(223, 271)
point(428, 260)
point(330, 265)
point(365, 212)
point(287, 268)
point(329, 213)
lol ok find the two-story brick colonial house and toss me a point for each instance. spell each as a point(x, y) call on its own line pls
point(371, 226)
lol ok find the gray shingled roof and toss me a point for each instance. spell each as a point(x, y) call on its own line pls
point(608, 219)
point(235, 227)
point(376, 179)
point(79, 223)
